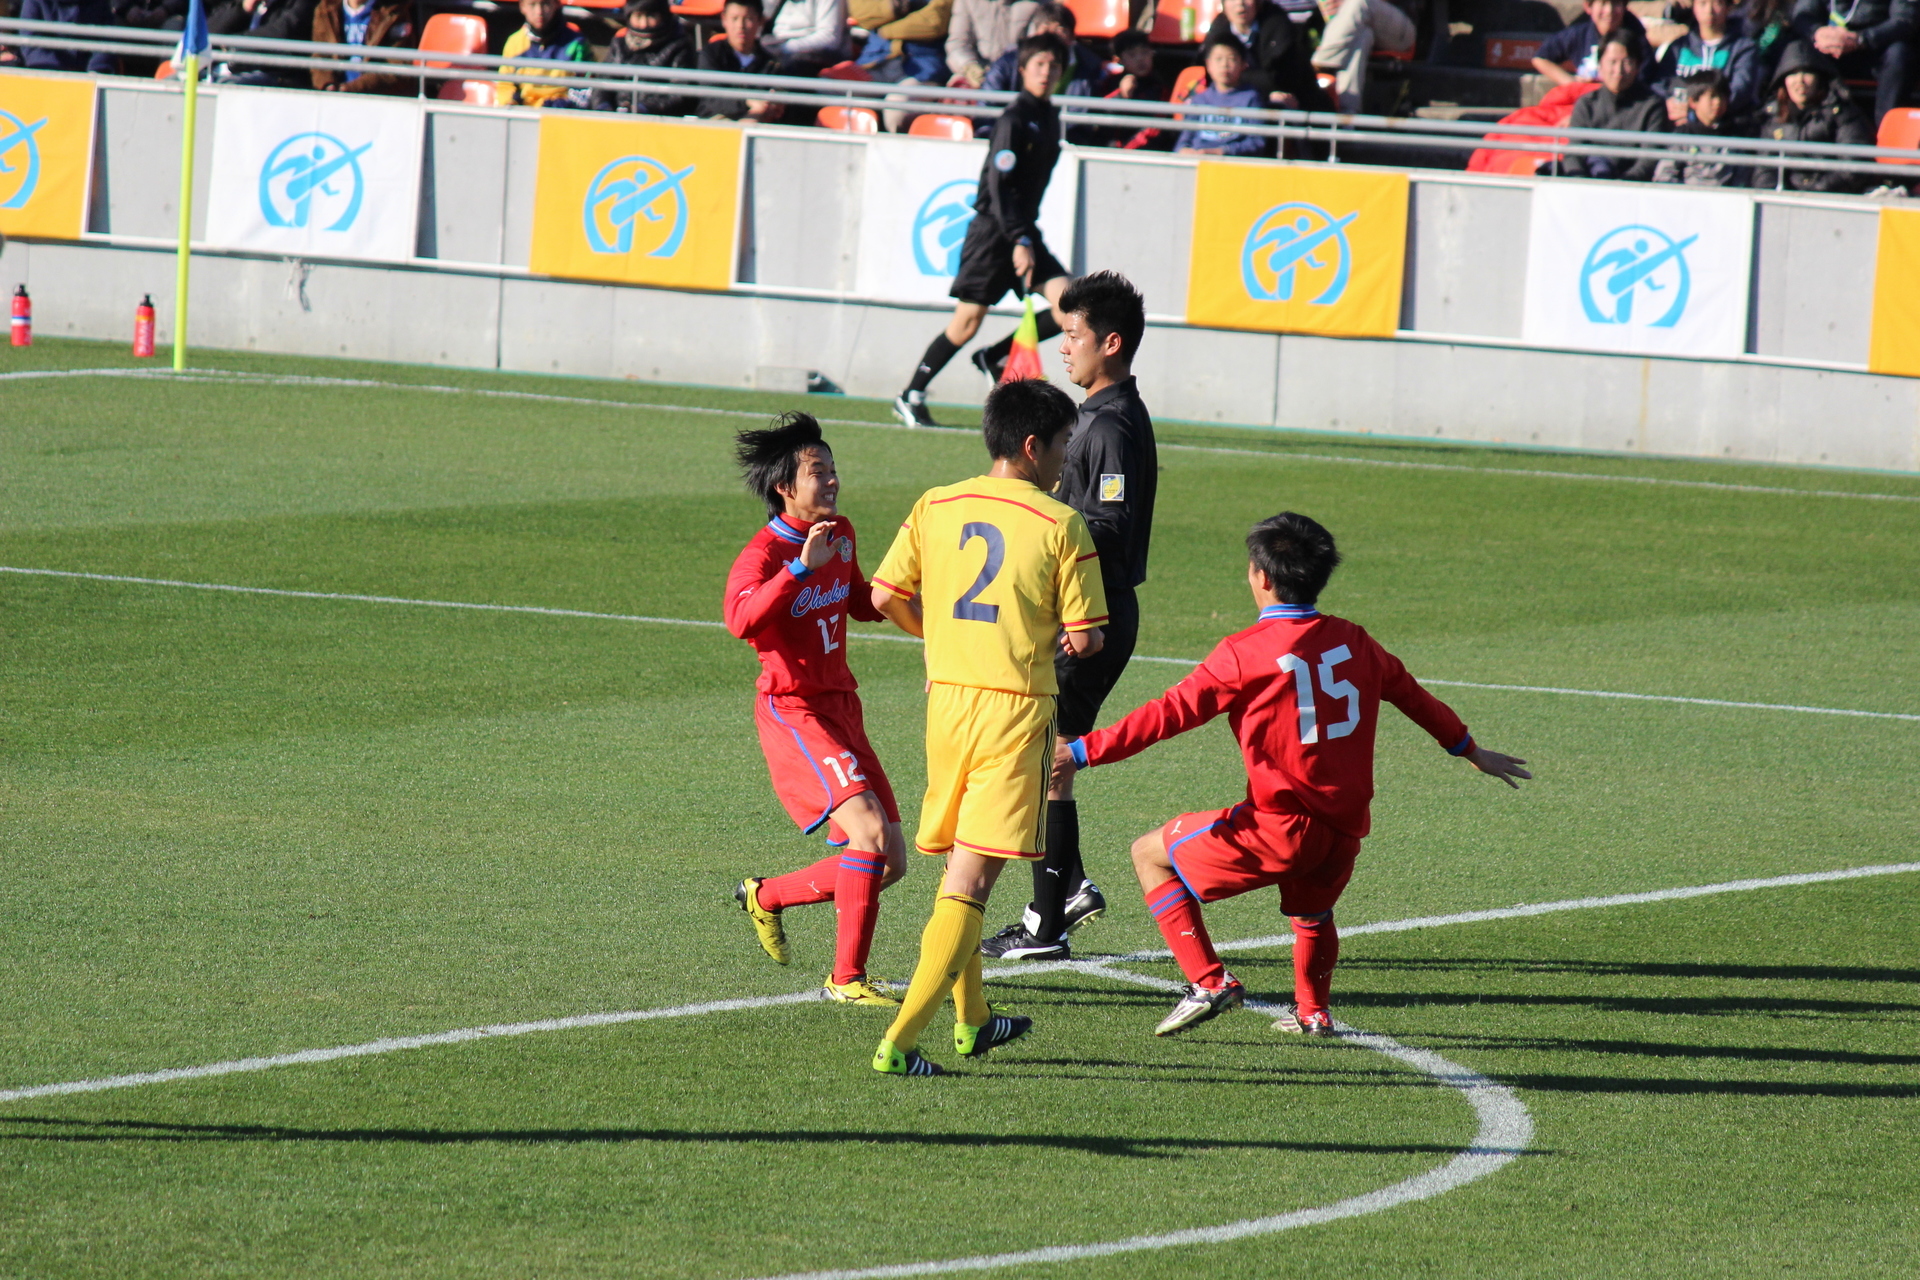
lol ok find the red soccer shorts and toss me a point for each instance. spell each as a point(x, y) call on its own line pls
point(1224, 853)
point(818, 755)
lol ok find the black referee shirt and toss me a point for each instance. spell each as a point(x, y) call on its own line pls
point(1020, 160)
point(1112, 471)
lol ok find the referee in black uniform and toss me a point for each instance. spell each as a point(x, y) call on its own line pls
point(1112, 471)
point(1003, 249)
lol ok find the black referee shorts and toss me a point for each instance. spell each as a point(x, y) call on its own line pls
point(986, 264)
point(1086, 682)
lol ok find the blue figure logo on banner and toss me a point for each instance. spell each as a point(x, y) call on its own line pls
point(1636, 261)
point(19, 154)
point(637, 191)
point(941, 226)
point(309, 167)
point(1296, 245)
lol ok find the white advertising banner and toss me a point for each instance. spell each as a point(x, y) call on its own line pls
point(1633, 268)
point(917, 204)
point(327, 175)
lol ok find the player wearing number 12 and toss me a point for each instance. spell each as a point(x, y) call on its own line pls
point(994, 574)
point(1302, 691)
point(789, 596)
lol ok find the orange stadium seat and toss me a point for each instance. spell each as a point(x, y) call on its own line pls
point(845, 71)
point(1901, 129)
point(1098, 19)
point(457, 33)
point(850, 119)
point(698, 8)
point(958, 128)
point(165, 70)
point(477, 92)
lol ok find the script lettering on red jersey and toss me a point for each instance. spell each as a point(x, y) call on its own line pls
point(795, 617)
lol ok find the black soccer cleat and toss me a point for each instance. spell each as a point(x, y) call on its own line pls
point(1085, 906)
point(911, 408)
point(1015, 943)
point(974, 1042)
point(988, 366)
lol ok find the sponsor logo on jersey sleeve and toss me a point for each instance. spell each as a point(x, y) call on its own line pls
point(1112, 488)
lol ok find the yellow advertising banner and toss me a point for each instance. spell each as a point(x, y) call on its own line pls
point(46, 151)
point(1297, 249)
point(1895, 344)
point(636, 202)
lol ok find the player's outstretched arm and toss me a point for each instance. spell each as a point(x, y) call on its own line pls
point(1505, 768)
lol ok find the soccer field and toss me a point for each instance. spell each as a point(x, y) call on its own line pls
point(240, 825)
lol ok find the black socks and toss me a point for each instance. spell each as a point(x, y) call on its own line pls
point(1057, 877)
point(1043, 320)
point(939, 352)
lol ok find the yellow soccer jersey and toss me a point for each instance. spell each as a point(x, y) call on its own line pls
point(1000, 567)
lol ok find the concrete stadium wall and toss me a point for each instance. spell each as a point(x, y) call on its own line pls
point(1456, 371)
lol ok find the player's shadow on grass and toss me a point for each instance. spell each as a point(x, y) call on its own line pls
point(1648, 1049)
point(1624, 969)
point(1691, 1006)
point(37, 1129)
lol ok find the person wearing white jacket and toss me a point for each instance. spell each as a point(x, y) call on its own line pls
point(807, 35)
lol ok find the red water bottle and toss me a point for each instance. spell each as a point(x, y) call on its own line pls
point(143, 328)
point(22, 318)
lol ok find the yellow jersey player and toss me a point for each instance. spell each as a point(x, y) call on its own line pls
point(994, 574)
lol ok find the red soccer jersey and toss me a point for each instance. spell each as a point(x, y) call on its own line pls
point(796, 619)
point(1302, 692)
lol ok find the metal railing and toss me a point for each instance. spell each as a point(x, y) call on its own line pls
point(1329, 130)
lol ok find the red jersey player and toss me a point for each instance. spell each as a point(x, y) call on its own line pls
point(789, 595)
point(1302, 692)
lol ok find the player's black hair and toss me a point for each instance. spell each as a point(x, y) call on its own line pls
point(1109, 303)
point(1131, 38)
point(1626, 40)
point(769, 460)
point(1032, 47)
point(1016, 410)
point(1296, 553)
point(1713, 81)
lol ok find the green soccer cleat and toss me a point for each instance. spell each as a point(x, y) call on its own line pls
point(974, 1042)
point(861, 990)
point(773, 934)
point(890, 1061)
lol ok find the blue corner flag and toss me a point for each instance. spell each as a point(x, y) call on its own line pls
point(193, 38)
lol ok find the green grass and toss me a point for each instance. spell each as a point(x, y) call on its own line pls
point(238, 825)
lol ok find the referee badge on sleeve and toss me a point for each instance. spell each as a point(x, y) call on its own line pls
point(1113, 488)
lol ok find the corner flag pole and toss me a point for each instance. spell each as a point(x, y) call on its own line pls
point(193, 43)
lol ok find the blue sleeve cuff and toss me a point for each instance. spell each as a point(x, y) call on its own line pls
point(1079, 748)
point(1465, 745)
point(798, 567)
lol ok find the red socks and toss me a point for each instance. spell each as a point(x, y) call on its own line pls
point(799, 888)
point(1316, 949)
point(1177, 913)
point(856, 900)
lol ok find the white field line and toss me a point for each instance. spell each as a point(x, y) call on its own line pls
point(882, 636)
point(1536, 473)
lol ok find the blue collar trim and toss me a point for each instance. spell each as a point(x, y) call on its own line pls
point(1288, 611)
point(786, 532)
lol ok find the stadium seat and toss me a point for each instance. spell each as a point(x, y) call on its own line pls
point(698, 8)
point(1099, 19)
point(1187, 83)
point(850, 119)
point(453, 33)
point(477, 92)
point(1166, 20)
point(958, 128)
point(845, 71)
point(165, 70)
point(1901, 129)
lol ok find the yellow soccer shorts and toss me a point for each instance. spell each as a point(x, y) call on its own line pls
point(989, 758)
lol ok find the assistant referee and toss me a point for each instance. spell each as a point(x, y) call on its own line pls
point(1003, 247)
point(1111, 474)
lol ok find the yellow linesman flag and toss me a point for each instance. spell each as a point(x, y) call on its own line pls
point(1895, 344)
point(1023, 358)
point(46, 144)
point(1288, 248)
point(636, 202)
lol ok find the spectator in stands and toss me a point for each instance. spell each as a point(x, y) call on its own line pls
point(1622, 101)
point(1212, 135)
point(1717, 41)
point(1867, 38)
point(267, 20)
point(1136, 80)
point(1355, 28)
point(1574, 54)
point(809, 34)
point(1769, 22)
point(740, 51)
point(548, 36)
point(980, 31)
point(92, 13)
point(1082, 70)
point(650, 36)
point(1279, 52)
point(1709, 115)
point(374, 24)
point(906, 40)
point(1811, 105)
point(157, 15)
point(9, 56)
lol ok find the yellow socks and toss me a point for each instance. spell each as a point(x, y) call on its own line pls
point(949, 954)
point(969, 1001)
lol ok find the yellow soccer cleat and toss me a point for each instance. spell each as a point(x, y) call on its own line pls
point(773, 934)
point(862, 990)
point(903, 1062)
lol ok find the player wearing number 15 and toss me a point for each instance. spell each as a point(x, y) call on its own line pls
point(1302, 691)
point(994, 573)
point(789, 596)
